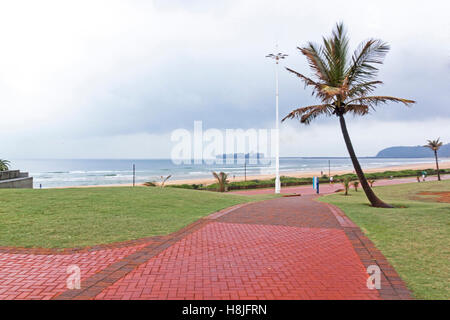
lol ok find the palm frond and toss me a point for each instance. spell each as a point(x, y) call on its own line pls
point(322, 91)
point(373, 101)
point(4, 165)
point(307, 114)
point(315, 57)
point(366, 55)
point(224, 177)
point(357, 109)
point(362, 89)
point(344, 88)
point(335, 51)
point(330, 91)
point(306, 80)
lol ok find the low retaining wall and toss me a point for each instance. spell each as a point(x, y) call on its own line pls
point(9, 174)
point(17, 183)
point(15, 179)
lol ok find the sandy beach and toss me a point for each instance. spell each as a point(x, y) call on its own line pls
point(443, 164)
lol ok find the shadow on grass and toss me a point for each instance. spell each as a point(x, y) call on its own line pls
point(395, 206)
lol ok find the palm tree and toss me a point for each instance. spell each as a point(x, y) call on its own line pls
point(163, 180)
point(346, 184)
point(355, 185)
point(435, 145)
point(221, 180)
point(4, 165)
point(343, 84)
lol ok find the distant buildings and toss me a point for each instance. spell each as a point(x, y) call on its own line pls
point(241, 157)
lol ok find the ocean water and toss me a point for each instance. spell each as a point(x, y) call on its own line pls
point(51, 173)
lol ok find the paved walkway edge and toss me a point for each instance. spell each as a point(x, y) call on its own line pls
point(392, 286)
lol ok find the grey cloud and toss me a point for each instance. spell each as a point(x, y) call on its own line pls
point(205, 61)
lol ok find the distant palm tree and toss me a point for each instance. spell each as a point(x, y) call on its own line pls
point(221, 180)
point(4, 165)
point(355, 185)
point(343, 85)
point(435, 145)
point(371, 182)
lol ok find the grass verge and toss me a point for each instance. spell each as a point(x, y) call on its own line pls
point(414, 237)
point(64, 218)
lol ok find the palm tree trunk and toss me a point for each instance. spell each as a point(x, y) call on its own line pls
point(437, 165)
point(374, 200)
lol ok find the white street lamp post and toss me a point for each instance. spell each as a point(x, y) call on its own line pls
point(277, 58)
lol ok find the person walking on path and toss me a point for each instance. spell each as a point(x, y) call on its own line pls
point(424, 175)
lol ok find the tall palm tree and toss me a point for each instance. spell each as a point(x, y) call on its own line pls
point(4, 165)
point(343, 84)
point(435, 145)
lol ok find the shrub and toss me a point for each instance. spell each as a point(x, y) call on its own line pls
point(221, 181)
point(346, 184)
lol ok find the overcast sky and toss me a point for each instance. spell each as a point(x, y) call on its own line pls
point(112, 79)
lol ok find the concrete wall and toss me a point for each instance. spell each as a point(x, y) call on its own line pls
point(17, 183)
point(9, 174)
point(23, 174)
point(15, 179)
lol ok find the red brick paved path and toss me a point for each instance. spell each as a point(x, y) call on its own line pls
point(250, 261)
point(286, 248)
point(42, 276)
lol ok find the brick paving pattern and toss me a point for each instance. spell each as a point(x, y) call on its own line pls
point(43, 276)
point(250, 261)
point(292, 211)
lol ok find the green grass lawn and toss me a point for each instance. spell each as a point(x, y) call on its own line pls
point(415, 238)
point(62, 218)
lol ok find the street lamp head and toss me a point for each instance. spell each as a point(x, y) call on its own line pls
point(277, 57)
